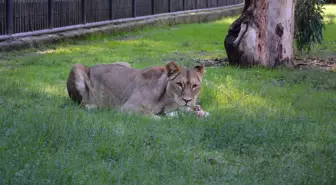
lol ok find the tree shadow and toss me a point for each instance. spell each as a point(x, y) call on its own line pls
point(247, 130)
point(256, 133)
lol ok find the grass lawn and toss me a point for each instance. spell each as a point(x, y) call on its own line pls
point(266, 126)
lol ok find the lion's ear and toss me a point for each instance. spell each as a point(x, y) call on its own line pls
point(172, 68)
point(200, 69)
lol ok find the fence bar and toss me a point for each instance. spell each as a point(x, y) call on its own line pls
point(153, 8)
point(83, 12)
point(50, 14)
point(169, 4)
point(9, 12)
point(110, 9)
point(134, 8)
point(184, 7)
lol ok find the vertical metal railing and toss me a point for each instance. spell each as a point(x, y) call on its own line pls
point(55, 13)
point(169, 6)
point(134, 8)
point(9, 16)
point(50, 14)
point(110, 9)
point(83, 12)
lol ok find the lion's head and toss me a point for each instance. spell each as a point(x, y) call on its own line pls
point(184, 84)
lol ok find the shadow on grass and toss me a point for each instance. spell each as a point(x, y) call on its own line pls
point(46, 136)
point(287, 134)
point(265, 126)
point(54, 139)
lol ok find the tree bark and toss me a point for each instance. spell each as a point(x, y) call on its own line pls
point(263, 34)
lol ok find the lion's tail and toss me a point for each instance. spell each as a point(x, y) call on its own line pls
point(78, 82)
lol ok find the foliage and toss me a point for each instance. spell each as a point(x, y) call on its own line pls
point(309, 24)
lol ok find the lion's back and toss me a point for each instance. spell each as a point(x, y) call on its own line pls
point(113, 83)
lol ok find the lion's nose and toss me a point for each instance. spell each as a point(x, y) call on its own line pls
point(186, 100)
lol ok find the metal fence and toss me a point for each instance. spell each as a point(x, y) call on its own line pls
point(20, 16)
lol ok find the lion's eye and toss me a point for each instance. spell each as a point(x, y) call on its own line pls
point(179, 84)
point(194, 86)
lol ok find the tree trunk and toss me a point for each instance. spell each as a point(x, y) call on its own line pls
point(263, 34)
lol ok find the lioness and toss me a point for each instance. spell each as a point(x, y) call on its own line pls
point(153, 90)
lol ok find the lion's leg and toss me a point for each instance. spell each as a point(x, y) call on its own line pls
point(131, 108)
point(136, 105)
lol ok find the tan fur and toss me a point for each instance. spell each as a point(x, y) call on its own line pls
point(153, 90)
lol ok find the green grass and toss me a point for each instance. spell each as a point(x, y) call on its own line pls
point(266, 126)
point(329, 36)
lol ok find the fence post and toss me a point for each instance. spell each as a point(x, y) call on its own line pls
point(134, 8)
point(169, 6)
point(153, 8)
point(83, 12)
point(110, 9)
point(9, 12)
point(184, 7)
point(50, 14)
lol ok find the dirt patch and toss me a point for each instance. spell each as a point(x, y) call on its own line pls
point(325, 64)
point(213, 62)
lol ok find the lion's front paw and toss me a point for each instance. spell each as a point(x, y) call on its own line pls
point(156, 117)
point(172, 114)
point(200, 112)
